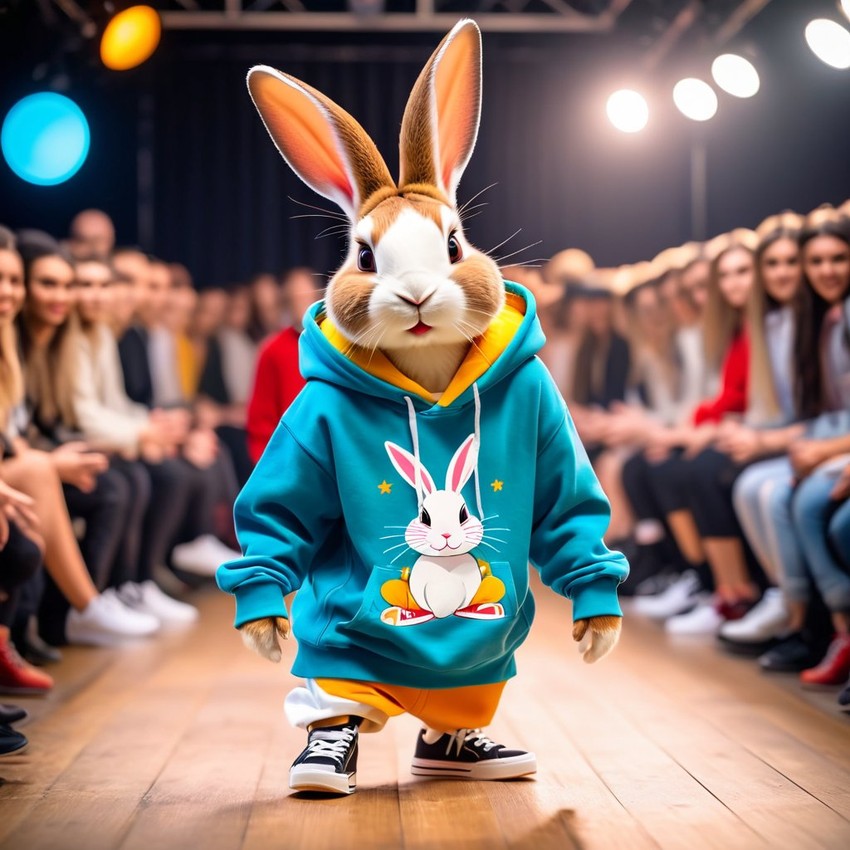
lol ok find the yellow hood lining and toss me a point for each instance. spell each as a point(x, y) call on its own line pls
point(481, 356)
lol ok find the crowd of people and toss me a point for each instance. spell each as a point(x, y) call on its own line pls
point(124, 397)
point(710, 386)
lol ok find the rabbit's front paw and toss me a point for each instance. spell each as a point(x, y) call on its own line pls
point(596, 636)
point(262, 636)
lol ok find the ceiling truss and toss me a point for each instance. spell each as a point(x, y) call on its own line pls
point(428, 16)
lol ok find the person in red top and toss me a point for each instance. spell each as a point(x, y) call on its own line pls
point(679, 460)
point(277, 380)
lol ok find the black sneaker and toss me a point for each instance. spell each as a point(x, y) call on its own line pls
point(329, 762)
point(10, 741)
point(791, 655)
point(469, 754)
point(10, 714)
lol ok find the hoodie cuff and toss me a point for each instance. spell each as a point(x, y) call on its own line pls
point(597, 599)
point(257, 601)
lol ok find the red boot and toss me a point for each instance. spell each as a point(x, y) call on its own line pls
point(16, 676)
point(835, 666)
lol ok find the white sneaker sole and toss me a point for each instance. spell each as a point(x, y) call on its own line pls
point(492, 769)
point(306, 778)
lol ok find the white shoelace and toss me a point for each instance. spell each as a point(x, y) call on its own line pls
point(462, 736)
point(331, 743)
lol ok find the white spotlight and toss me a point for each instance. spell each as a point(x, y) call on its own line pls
point(830, 42)
point(736, 75)
point(627, 111)
point(845, 7)
point(695, 99)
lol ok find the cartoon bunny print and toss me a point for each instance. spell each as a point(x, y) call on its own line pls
point(445, 580)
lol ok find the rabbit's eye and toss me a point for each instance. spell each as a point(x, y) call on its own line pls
point(425, 518)
point(455, 251)
point(464, 515)
point(366, 259)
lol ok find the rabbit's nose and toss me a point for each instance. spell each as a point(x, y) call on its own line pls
point(447, 536)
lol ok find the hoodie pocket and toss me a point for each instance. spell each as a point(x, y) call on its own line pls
point(468, 638)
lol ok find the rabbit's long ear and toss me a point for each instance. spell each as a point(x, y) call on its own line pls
point(440, 122)
point(462, 465)
point(322, 143)
point(405, 463)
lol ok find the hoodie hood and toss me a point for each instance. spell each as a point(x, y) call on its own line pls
point(514, 337)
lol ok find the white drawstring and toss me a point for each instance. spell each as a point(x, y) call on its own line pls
point(414, 433)
point(477, 450)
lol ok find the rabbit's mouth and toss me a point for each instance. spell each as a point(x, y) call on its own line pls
point(419, 328)
point(446, 546)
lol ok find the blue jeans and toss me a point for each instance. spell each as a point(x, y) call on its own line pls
point(762, 499)
point(813, 513)
point(839, 533)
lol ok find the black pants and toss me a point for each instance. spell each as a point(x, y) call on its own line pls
point(20, 561)
point(127, 566)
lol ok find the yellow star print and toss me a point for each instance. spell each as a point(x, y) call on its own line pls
point(497, 485)
point(385, 488)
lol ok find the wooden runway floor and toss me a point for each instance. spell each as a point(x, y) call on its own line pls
point(181, 743)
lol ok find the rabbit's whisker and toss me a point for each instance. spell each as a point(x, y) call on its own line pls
point(485, 543)
point(476, 195)
point(519, 251)
point(490, 537)
point(397, 546)
point(398, 556)
point(515, 233)
point(329, 213)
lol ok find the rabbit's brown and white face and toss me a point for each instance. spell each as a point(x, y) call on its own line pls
point(411, 279)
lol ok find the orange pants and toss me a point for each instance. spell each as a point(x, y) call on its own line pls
point(444, 710)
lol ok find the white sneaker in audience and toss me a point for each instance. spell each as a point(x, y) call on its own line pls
point(148, 598)
point(679, 597)
point(202, 555)
point(106, 621)
point(703, 620)
point(768, 619)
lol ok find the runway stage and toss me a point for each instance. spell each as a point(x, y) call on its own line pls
point(181, 743)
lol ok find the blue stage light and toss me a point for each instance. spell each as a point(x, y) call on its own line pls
point(45, 138)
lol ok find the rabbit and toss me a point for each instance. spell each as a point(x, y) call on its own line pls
point(411, 286)
point(445, 579)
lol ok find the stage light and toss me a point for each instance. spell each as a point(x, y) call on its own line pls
point(695, 99)
point(45, 138)
point(845, 7)
point(830, 42)
point(735, 75)
point(130, 38)
point(627, 111)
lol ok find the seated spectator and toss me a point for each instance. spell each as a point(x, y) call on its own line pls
point(91, 234)
point(137, 440)
point(112, 501)
point(277, 380)
point(95, 618)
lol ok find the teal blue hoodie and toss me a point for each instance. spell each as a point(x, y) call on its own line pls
point(340, 508)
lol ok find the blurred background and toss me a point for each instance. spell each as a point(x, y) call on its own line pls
point(181, 162)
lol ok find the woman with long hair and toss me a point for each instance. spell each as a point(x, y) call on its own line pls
point(93, 618)
point(48, 329)
point(664, 476)
point(791, 499)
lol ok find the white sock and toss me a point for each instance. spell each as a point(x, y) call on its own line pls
point(649, 531)
point(431, 736)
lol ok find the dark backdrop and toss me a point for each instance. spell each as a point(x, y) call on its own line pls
point(182, 162)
